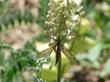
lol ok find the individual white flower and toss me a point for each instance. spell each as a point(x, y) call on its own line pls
point(65, 2)
point(77, 2)
point(56, 0)
point(75, 18)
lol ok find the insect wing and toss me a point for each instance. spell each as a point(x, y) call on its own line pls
point(46, 52)
point(70, 56)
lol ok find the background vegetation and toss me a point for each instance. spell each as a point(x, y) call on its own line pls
point(22, 38)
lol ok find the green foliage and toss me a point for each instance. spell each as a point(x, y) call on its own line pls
point(43, 12)
point(86, 39)
point(4, 6)
point(11, 18)
point(20, 60)
point(17, 61)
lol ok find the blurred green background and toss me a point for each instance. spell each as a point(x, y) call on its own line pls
point(22, 37)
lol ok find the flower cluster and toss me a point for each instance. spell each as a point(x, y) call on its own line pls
point(61, 16)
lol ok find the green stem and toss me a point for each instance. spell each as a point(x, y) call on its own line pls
point(59, 68)
point(58, 59)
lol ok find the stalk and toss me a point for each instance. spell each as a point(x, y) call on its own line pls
point(58, 60)
point(59, 69)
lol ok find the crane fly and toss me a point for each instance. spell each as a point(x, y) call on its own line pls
point(58, 48)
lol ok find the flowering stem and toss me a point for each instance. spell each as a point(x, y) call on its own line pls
point(58, 60)
point(59, 69)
